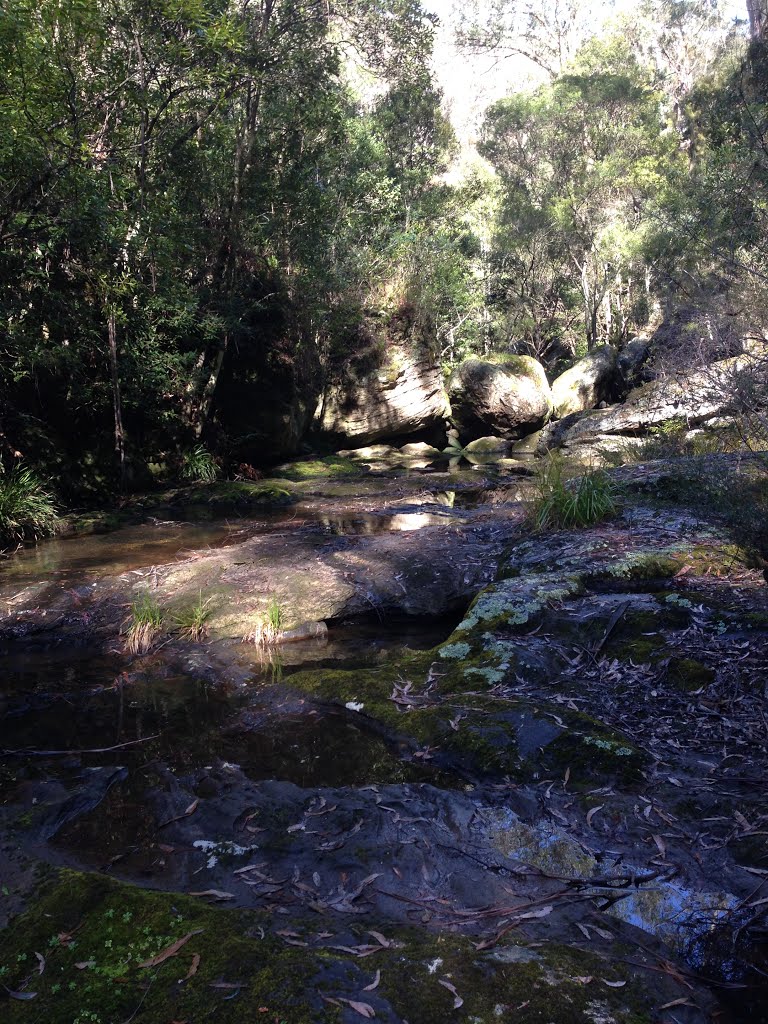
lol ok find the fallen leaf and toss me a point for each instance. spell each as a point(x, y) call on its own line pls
point(532, 914)
point(193, 966)
point(85, 963)
point(190, 810)
point(593, 812)
point(40, 962)
point(171, 950)
point(683, 1001)
point(674, 781)
point(381, 939)
point(364, 1009)
point(661, 846)
point(215, 894)
point(374, 984)
point(614, 984)
point(457, 1001)
point(225, 984)
point(21, 995)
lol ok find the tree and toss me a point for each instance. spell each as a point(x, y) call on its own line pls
point(582, 162)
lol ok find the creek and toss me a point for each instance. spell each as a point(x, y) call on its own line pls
point(462, 757)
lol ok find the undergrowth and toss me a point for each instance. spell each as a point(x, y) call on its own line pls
point(199, 464)
point(268, 628)
point(145, 623)
point(190, 621)
point(562, 504)
point(27, 508)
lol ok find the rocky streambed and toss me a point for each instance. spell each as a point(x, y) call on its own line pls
point(498, 776)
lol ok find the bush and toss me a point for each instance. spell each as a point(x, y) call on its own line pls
point(199, 464)
point(561, 504)
point(190, 622)
point(145, 623)
point(269, 626)
point(27, 508)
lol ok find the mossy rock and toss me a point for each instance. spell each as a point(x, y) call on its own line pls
point(113, 928)
point(94, 933)
point(332, 467)
point(688, 674)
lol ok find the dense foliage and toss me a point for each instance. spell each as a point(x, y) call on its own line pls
point(192, 190)
point(203, 200)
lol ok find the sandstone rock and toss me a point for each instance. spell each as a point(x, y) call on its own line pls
point(586, 383)
point(488, 446)
point(698, 398)
point(420, 450)
point(510, 397)
point(400, 392)
point(631, 361)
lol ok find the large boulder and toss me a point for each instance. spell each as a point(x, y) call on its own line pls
point(508, 397)
point(585, 384)
point(392, 386)
point(632, 363)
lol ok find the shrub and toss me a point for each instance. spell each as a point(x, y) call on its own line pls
point(561, 504)
point(190, 622)
point(269, 627)
point(199, 464)
point(27, 508)
point(145, 623)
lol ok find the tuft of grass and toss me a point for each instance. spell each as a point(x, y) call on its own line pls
point(199, 464)
point(145, 623)
point(190, 622)
point(27, 508)
point(268, 628)
point(561, 504)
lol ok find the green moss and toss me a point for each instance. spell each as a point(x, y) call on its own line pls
point(331, 467)
point(688, 674)
point(595, 752)
point(113, 928)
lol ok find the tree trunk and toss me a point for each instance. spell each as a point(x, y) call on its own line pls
point(117, 404)
point(758, 18)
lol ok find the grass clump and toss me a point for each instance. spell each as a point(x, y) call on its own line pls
point(190, 621)
point(269, 627)
point(27, 508)
point(199, 464)
point(145, 623)
point(560, 504)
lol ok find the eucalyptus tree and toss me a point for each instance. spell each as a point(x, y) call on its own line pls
point(582, 163)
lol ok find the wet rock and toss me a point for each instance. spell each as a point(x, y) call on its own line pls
point(487, 446)
point(510, 397)
point(587, 383)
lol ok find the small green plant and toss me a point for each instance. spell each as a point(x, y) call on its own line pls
point(190, 622)
point(27, 508)
point(561, 504)
point(269, 626)
point(145, 623)
point(199, 464)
